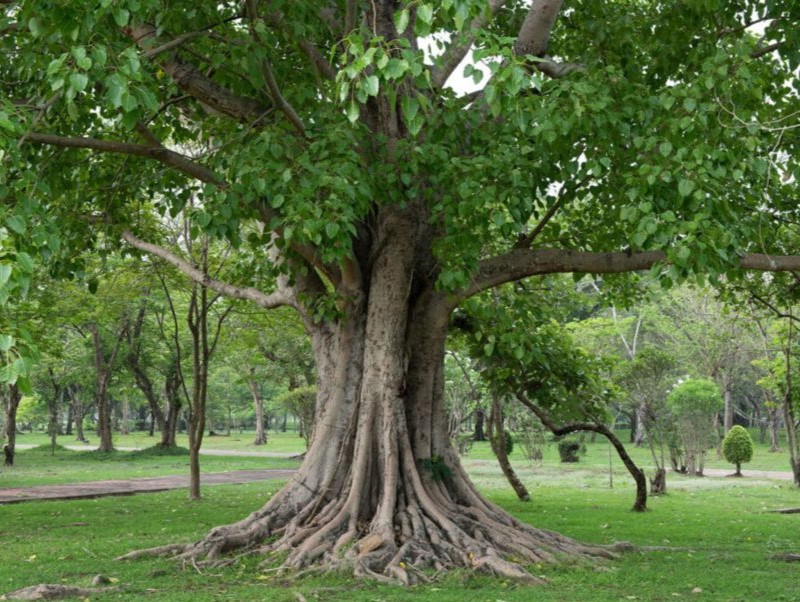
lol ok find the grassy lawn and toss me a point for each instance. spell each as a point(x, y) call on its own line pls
point(40, 467)
point(716, 534)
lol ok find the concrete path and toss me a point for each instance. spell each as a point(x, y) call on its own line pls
point(92, 489)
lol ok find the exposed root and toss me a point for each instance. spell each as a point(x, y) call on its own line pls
point(786, 557)
point(49, 591)
point(168, 550)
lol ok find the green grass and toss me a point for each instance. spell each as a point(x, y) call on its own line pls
point(288, 442)
point(721, 540)
point(39, 467)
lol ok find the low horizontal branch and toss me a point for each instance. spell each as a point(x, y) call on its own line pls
point(522, 263)
point(267, 301)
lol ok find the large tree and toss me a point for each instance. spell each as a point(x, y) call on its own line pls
point(606, 137)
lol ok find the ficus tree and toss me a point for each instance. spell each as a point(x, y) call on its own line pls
point(604, 137)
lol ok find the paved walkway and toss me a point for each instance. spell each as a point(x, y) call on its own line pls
point(92, 489)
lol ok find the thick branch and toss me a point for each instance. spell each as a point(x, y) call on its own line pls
point(159, 153)
point(535, 31)
point(456, 52)
point(272, 301)
point(189, 79)
point(521, 263)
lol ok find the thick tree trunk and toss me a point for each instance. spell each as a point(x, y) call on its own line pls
point(13, 396)
point(658, 484)
point(381, 490)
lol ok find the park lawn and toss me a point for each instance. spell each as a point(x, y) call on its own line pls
point(41, 467)
point(597, 453)
point(277, 442)
point(715, 535)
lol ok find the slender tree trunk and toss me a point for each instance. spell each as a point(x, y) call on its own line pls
point(13, 396)
point(258, 404)
point(78, 410)
point(727, 397)
point(70, 419)
point(103, 366)
point(124, 429)
point(773, 418)
point(480, 417)
point(497, 437)
point(640, 432)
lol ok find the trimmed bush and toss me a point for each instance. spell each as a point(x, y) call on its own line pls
point(569, 450)
point(737, 447)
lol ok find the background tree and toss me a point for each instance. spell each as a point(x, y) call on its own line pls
point(694, 403)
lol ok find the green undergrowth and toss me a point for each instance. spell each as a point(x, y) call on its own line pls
point(714, 540)
point(41, 466)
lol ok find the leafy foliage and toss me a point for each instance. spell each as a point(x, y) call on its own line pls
point(737, 447)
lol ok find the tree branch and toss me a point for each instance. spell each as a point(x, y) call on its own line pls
point(271, 301)
point(269, 77)
point(521, 263)
point(189, 79)
point(534, 36)
point(456, 52)
point(159, 153)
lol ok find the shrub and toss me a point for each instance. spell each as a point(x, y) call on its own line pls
point(737, 447)
point(569, 450)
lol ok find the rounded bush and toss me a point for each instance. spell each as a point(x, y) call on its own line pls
point(569, 450)
point(737, 447)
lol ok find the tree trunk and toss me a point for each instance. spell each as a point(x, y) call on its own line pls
point(258, 404)
point(658, 484)
point(101, 395)
point(726, 396)
point(123, 429)
point(381, 490)
point(774, 429)
point(78, 410)
point(480, 417)
point(497, 438)
point(641, 431)
point(13, 396)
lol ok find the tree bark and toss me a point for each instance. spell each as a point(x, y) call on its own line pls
point(381, 490)
point(497, 438)
point(258, 404)
point(13, 396)
point(103, 366)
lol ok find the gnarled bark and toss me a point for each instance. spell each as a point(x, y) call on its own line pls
point(381, 491)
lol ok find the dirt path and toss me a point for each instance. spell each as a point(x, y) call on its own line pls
point(92, 489)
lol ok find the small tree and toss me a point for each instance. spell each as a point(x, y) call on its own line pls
point(738, 447)
point(694, 403)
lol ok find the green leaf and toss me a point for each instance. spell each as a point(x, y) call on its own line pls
point(395, 68)
point(92, 285)
point(121, 16)
point(401, 20)
point(16, 223)
point(6, 342)
point(372, 85)
point(35, 27)
point(78, 81)
point(665, 148)
point(5, 273)
point(352, 111)
point(5, 122)
point(425, 13)
point(685, 187)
